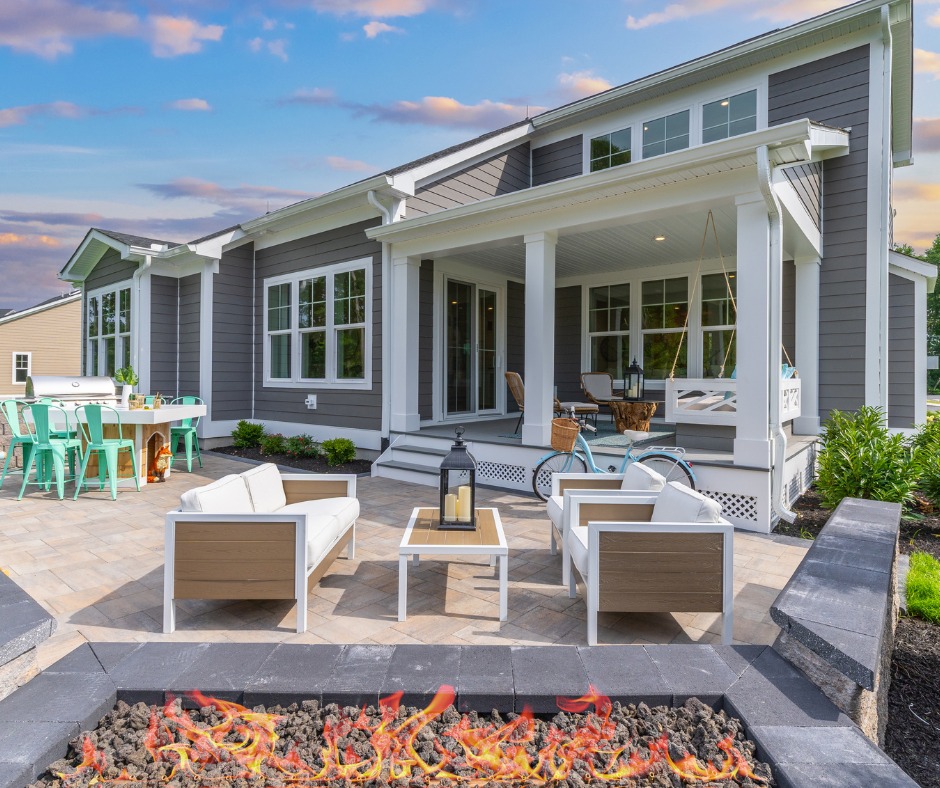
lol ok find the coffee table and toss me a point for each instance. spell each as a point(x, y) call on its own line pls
point(422, 538)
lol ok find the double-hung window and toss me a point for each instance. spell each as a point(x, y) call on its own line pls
point(108, 330)
point(21, 367)
point(665, 305)
point(729, 116)
point(719, 295)
point(609, 328)
point(318, 328)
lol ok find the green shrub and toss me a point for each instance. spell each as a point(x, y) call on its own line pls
point(861, 459)
point(272, 444)
point(339, 450)
point(923, 587)
point(301, 446)
point(247, 435)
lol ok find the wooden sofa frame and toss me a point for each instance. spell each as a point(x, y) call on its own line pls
point(251, 556)
point(635, 566)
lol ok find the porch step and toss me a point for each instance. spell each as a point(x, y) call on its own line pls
point(431, 450)
point(418, 463)
point(406, 472)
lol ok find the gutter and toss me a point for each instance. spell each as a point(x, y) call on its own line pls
point(775, 275)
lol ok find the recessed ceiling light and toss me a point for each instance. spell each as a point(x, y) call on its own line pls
point(659, 237)
point(725, 103)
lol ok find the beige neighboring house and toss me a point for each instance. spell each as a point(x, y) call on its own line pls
point(45, 339)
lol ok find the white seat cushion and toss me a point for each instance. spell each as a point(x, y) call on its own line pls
point(327, 520)
point(227, 495)
point(265, 488)
point(638, 477)
point(576, 543)
point(680, 504)
point(555, 505)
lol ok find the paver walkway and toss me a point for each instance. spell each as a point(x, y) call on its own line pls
point(97, 565)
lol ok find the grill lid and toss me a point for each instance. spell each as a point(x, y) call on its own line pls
point(69, 387)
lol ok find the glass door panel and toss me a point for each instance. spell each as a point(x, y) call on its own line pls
point(486, 350)
point(459, 388)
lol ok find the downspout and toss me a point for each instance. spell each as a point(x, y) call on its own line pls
point(135, 336)
point(775, 276)
point(387, 306)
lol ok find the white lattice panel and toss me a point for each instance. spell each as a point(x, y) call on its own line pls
point(741, 507)
point(501, 472)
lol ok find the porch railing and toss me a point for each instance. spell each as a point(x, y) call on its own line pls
point(715, 401)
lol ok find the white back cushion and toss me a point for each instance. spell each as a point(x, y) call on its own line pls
point(639, 477)
point(679, 504)
point(228, 495)
point(265, 488)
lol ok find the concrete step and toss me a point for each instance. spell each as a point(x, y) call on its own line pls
point(407, 472)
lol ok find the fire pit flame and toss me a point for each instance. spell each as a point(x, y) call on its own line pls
point(245, 742)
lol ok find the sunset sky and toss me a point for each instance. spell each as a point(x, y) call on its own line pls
point(175, 118)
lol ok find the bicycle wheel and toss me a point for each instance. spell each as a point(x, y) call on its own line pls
point(674, 469)
point(560, 462)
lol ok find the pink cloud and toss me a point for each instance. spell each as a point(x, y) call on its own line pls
point(446, 111)
point(246, 199)
point(375, 28)
point(579, 84)
point(373, 8)
point(776, 10)
point(17, 116)
point(29, 241)
point(48, 28)
point(191, 105)
point(348, 165)
point(927, 63)
point(926, 135)
point(171, 36)
point(319, 96)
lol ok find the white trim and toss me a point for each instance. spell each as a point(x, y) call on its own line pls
point(206, 308)
point(331, 381)
point(29, 366)
point(98, 293)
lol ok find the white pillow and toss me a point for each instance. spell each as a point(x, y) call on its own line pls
point(680, 504)
point(228, 495)
point(639, 477)
point(265, 488)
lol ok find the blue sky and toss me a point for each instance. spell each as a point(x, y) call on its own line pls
point(175, 118)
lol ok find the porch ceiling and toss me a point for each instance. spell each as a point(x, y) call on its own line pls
point(625, 246)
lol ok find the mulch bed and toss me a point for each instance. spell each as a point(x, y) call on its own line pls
point(317, 465)
point(913, 734)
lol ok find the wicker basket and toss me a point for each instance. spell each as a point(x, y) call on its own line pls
point(564, 434)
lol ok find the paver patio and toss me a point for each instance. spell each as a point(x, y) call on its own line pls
point(97, 565)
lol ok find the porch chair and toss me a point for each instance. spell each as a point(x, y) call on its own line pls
point(637, 479)
point(107, 449)
point(187, 433)
point(11, 412)
point(599, 388)
point(517, 389)
point(49, 452)
point(668, 553)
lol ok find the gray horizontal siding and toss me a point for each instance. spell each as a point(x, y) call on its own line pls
point(515, 335)
point(110, 270)
point(806, 180)
point(426, 340)
point(834, 90)
point(562, 159)
point(335, 407)
point(705, 437)
point(164, 334)
point(189, 378)
point(568, 343)
point(902, 348)
point(232, 344)
point(500, 174)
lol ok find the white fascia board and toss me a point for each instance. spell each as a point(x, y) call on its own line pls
point(909, 266)
point(784, 141)
point(68, 299)
point(834, 19)
point(73, 271)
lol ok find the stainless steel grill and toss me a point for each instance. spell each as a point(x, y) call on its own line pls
point(76, 389)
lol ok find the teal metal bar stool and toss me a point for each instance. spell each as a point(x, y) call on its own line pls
point(187, 432)
point(49, 452)
point(10, 408)
point(71, 433)
point(107, 449)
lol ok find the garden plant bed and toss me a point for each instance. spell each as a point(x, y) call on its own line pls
point(912, 738)
point(592, 742)
point(312, 464)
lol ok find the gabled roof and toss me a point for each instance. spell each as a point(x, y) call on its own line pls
point(9, 315)
point(96, 244)
point(134, 240)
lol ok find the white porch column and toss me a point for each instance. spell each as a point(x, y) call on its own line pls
point(807, 344)
point(403, 371)
point(752, 445)
point(539, 338)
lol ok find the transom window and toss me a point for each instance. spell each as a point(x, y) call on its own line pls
point(610, 150)
point(108, 330)
point(317, 326)
point(666, 134)
point(665, 305)
point(21, 367)
point(719, 315)
point(729, 116)
point(609, 328)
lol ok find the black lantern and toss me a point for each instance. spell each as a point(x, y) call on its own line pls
point(633, 383)
point(458, 511)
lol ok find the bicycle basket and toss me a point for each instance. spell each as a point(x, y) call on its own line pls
point(564, 434)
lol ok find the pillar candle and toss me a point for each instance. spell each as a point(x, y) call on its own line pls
point(450, 508)
point(463, 503)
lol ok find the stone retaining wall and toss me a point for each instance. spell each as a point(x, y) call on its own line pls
point(23, 626)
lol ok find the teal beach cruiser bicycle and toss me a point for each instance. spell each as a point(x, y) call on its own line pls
point(665, 460)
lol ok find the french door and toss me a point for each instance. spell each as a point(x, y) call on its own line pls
point(471, 356)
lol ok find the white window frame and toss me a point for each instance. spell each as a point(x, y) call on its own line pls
point(594, 135)
point(628, 332)
point(29, 365)
point(118, 335)
point(331, 381)
point(731, 92)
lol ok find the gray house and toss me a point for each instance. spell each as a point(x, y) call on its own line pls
point(388, 310)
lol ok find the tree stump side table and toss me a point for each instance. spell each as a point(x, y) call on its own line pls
point(632, 415)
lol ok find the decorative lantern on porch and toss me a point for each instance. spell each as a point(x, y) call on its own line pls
point(458, 512)
point(633, 383)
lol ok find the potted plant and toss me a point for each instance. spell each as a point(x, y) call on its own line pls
point(128, 379)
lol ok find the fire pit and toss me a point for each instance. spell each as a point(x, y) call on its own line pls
point(592, 741)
